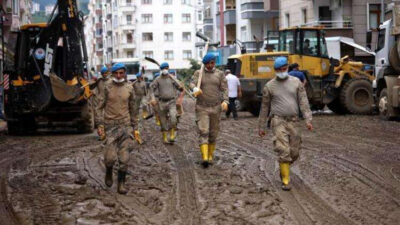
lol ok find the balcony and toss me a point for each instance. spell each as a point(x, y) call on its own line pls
point(334, 28)
point(256, 10)
point(230, 17)
point(208, 25)
point(127, 7)
point(128, 45)
point(128, 26)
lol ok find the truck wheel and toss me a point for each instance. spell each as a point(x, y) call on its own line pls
point(337, 107)
point(86, 122)
point(22, 126)
point(254, 109)
point(383, 105)
point(356, 96)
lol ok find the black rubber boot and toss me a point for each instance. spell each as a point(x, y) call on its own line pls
point(121, 183)
point(109, 176)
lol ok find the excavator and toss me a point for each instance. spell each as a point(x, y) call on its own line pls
point(46, 82)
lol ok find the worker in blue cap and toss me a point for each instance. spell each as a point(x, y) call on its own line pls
point(283, 98)
point(139, 86)
point(166, 86)
point(212, 98)
point(98, 91)
point(118, 121)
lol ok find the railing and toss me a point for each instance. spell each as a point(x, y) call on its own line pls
point(346, 24)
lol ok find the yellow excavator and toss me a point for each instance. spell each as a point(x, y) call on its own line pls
point(47, 81)
point(343, 85)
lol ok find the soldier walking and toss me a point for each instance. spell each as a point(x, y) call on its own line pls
point(212, 99)
point(155, 106)
point(98, 93)
point(118, 102)
point(283, 98)
point(166, 86)
point(139, 86)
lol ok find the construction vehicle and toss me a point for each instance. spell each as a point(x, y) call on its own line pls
point(387, 64)
point(340, 84)
point(47, 83)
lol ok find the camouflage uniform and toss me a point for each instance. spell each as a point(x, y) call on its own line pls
point(97, 94)
point(166, 86)
point(118, 103)
point(208, 104)
point(139, 87)
point(282, 100)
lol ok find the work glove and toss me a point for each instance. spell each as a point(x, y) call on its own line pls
point(224, 106)
point(101, 132)
point(197, 91)
point(153, 102)
point(262, 133)
point(136, 134)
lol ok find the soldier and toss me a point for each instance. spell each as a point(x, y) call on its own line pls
point(282, 98)
point(139, 86)
point(166, 86)
point(156, 106)
point(209, 105)
point(118, 102)
point(98, 92)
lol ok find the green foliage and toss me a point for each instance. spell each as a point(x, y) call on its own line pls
point(185, 74)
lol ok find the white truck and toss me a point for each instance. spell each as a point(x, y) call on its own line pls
point(387, 65)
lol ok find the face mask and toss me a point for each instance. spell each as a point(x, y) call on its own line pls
point(118, 81)
point(164, 72)
point(282, 75)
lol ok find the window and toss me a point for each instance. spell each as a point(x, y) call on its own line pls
point(99, 32)
point(186, 36)
point(129, 38)
point(286, 41)
point(381, 40)
point(374, 16)
point(187, 54)
point(167, 2)
point(207, 12)
point(185, 18)
point(147, 18)
point(167, 18)
point(168, 55)
point(99, 46)
point(147, 36)
point(128, 2)
point(304, 16)
point(148, 54)
point(146, 2)
point(168, 36)
point(129, 54)
point(325, 14)
point(310, 43)
point(15, 5)
point(287, 20)
point(200, 15)
point(243, 33)
point(185, 2)
point(128, 19)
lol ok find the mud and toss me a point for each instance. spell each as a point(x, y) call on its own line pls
point(348, 173)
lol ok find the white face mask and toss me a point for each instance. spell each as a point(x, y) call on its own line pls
point(282, 75)
point(118, 81)
point(164, 72)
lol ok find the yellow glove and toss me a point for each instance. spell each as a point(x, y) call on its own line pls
point(137, 137)
point(197, 91)
point(224, 106)
point(153, 102)
point(101, 132)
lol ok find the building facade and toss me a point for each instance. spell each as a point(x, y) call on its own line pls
point(348, 18)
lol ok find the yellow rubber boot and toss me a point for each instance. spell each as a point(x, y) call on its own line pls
point(158, 122)
point(285, 175)
point(165, 137)
point(211, 149)
point(204, 154)
point(138, 138)
point(145, 114)
point(172, 135)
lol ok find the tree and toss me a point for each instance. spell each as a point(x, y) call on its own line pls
point(185, 74)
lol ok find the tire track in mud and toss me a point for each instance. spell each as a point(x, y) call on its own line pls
point(303, 212)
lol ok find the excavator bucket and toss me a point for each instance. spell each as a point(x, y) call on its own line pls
point(61, 90)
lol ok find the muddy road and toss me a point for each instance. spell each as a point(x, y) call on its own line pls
point(348, 173)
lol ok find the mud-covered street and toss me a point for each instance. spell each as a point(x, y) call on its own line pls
point(348, 173)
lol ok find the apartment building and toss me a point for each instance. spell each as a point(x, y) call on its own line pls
point(348, 18)
point(166, 31)
point(244, 23)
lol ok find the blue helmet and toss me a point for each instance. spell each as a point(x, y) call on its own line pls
point(164, 65)
point(281, 61)
point(156, 75)
point(118, 66)
point(138, 74)
point(209, 57)
point(104, 70)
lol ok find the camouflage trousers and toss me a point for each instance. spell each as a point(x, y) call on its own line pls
point(286, 138)
point(207, 120)
point(140, 103)
point(167, 114)
point(118, 145)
